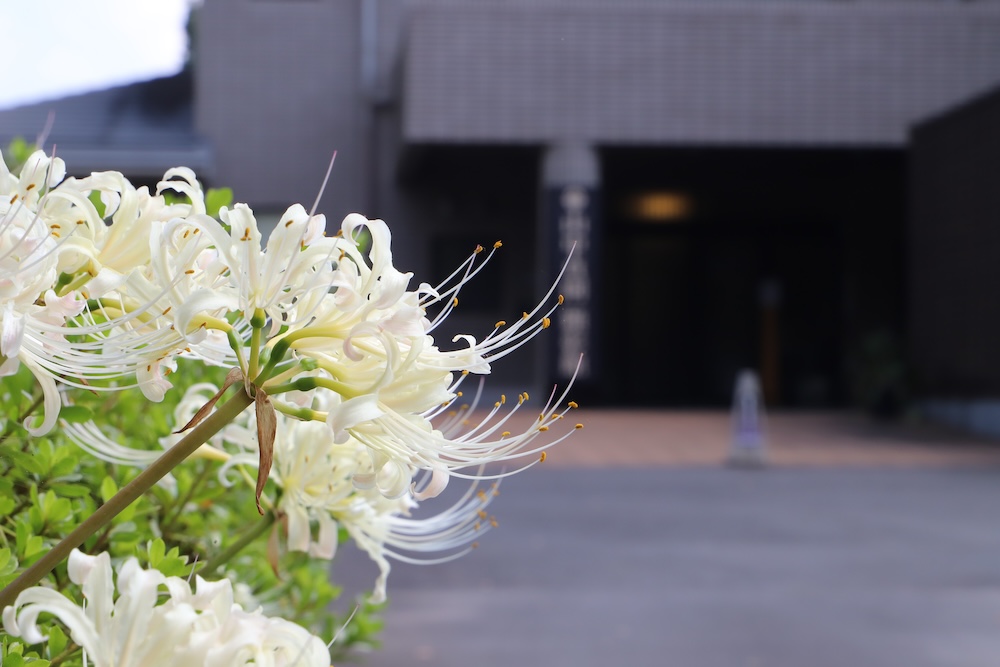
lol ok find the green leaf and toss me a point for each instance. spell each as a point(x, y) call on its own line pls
point(108, 489)
point(95, 199)
point(65, 490)
point(20, 459)
point(216, 198)
point(6, 506)
point(33, 546)
point(157, 549)
point(75, 414)
point(174, 567)
point(57, 641)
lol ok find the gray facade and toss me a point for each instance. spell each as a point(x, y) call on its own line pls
point(784, 124)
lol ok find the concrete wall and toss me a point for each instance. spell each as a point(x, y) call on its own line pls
point(277, 91)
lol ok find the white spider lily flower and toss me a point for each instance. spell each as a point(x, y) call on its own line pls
point(388, 380)
point(319, 495)
point(200, 627)
point(28, 263)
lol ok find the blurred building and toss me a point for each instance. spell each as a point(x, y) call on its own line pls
point(732, 175)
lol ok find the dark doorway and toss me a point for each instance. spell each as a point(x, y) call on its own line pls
point(719, 260)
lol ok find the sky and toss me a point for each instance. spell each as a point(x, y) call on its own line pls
point(55, 48)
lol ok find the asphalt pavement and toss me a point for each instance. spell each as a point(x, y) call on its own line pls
point(818, 560)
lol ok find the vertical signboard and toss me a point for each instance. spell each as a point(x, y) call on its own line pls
point(571, 217)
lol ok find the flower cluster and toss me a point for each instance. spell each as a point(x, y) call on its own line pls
point(132, 629)
point(96, 298)
point(106, 286)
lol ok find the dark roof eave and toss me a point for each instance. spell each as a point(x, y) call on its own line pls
point(138, 163)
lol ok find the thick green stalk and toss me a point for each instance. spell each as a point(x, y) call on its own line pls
point(170, 459)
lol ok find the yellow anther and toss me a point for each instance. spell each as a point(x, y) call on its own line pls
point(561, 300)
point(479, 249)
point(476, 526)
point(481, 495)
point(524, 315)
point(482, 514)
point(493, 522)
point(14, 198)
point(546, 323)
point(55, 234)
point(452, 413)
point(55, 226)
point(458, 393)
point(503, 398)
point(81, 222)
point(541, 459)
point(167, 310)
point(31, 186)
point(573, 404)
point(578, 426)
point(497, 245)
point(454, 302)
point(525, 395)
point(542, 429)
point(189, 272)
point(465, 372)
point(289, 223)
point(505, 434)
point(186, 233)
point(474, 545)
point(499, 324)
point(497, 404)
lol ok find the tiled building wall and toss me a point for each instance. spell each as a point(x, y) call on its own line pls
point(812, 73)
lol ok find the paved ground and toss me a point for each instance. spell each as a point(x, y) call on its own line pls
point(864, 545)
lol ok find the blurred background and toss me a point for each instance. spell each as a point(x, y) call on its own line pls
point(806, 188)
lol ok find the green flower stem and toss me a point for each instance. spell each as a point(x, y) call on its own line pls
point(222, 558)
point(254, 351)
point(170, 459)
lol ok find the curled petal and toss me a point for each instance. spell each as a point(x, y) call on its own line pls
point(51, 401)
point(350, 413)
point(437, 484)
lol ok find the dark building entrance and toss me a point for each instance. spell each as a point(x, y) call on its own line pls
point(785, 261)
